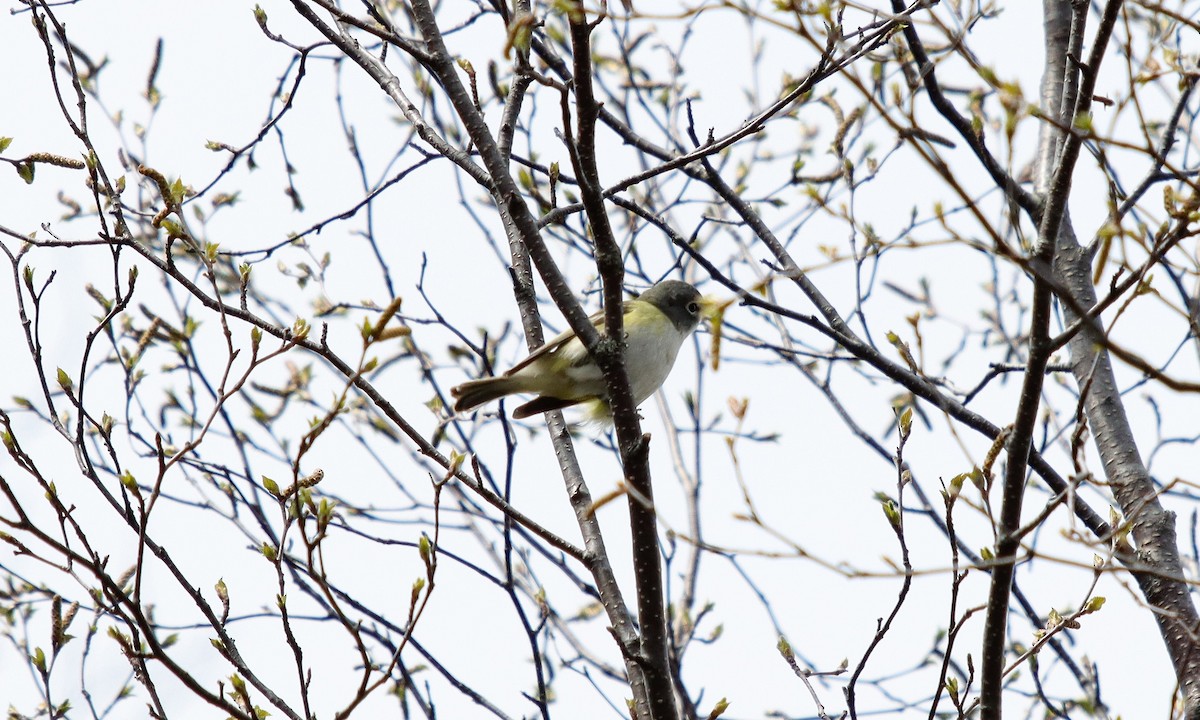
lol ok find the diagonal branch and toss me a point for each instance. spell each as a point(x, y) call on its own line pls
point(974, 140)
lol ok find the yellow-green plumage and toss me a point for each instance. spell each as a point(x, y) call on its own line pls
point(562, 373)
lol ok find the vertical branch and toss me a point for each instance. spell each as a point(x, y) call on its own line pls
point(610, 356)
point(1159, 570)
point(1008, 539)
point(527, 245)
point(1161, 580)
point(894, 512)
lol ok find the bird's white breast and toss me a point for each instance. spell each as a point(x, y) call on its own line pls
point(650, 355)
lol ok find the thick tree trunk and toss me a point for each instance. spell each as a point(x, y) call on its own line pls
point(1157, 567)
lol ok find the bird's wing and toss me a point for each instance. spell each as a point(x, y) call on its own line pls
point(558, 341)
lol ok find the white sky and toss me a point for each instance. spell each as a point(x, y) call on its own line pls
point(816, 484)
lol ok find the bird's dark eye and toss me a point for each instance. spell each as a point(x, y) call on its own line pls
point(693, 307)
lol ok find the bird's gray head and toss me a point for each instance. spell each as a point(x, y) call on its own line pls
point(678, 301)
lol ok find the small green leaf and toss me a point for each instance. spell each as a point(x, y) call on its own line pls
point(893, 514)
point(173, 228)
point(784, 648)
point(906, 423)
point(4, 143)
point(130, 483)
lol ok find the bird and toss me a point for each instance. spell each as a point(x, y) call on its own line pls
point(562, 373)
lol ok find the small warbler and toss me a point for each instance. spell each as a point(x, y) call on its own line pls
point(561, 373)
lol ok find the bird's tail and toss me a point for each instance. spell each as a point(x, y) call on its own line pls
point(474, 393)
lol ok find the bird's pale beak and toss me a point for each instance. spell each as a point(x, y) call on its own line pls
point(711, 307)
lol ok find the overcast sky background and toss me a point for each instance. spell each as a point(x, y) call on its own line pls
point(217, 74)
